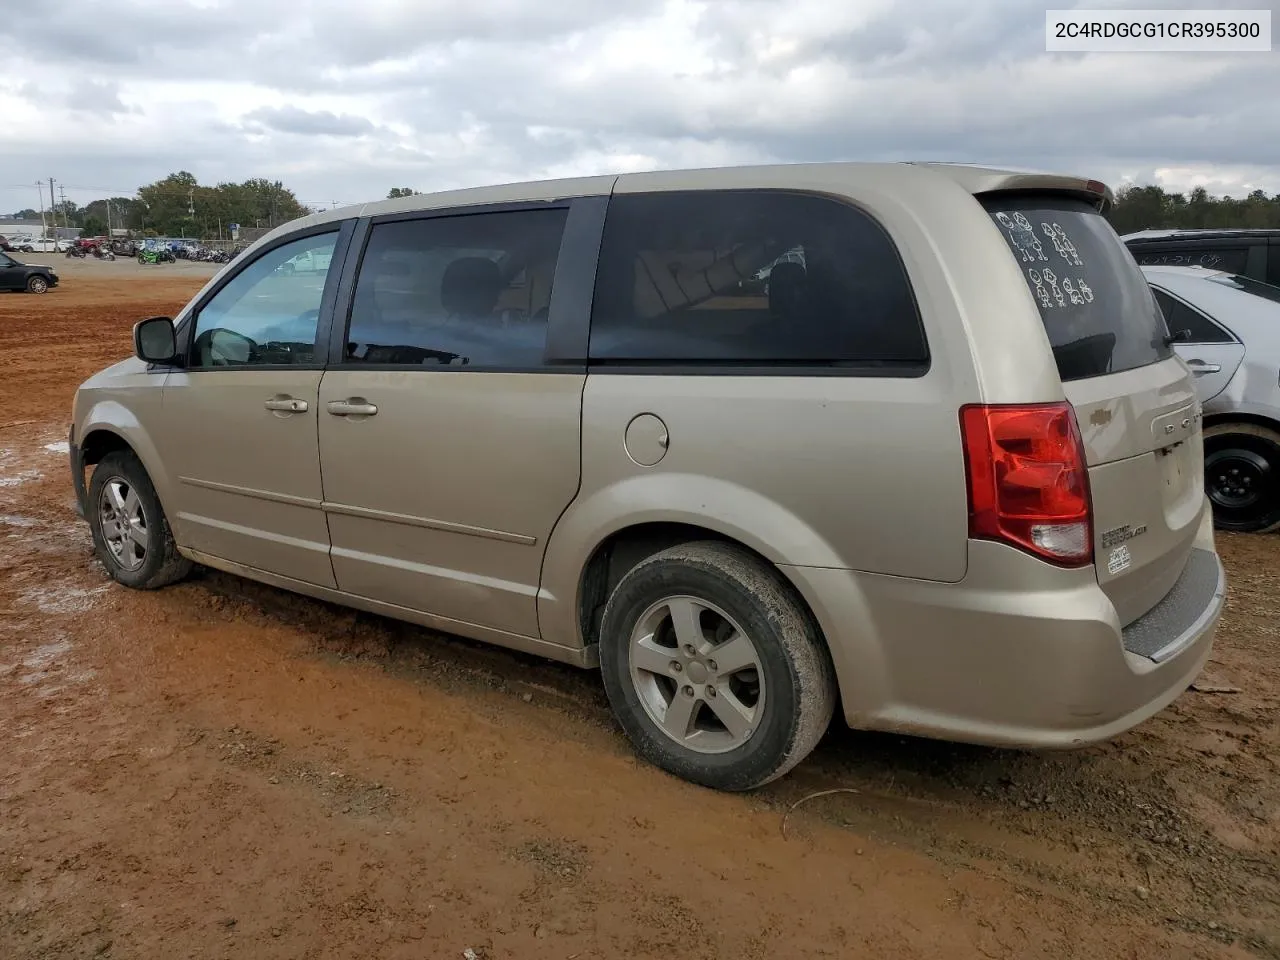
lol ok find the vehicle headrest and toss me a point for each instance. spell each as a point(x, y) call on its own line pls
point(470, 286)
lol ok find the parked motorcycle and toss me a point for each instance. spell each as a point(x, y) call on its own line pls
point(76, 251)
point(156, 256)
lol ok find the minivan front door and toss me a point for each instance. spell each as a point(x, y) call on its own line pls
point(240, 419)
point(449, 445)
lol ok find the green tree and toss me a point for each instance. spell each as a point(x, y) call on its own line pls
point(120, 215)
point(395, 193)
point(93, 227)
point(179, 205)
point(27, 214)
point(166, 204)
point(1149, 207)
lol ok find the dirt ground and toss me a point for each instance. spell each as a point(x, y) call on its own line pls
point(220, 769)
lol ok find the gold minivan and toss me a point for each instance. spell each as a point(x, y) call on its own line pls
point(906, 438)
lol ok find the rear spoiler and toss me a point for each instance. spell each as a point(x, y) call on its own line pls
point(987, 180)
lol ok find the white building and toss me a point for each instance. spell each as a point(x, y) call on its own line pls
point(9, 229)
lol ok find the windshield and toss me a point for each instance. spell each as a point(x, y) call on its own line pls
point(1250, 285)
point(1095, 304)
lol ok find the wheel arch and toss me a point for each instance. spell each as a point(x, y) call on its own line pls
point(99, 442)
point(1240, 416)
point(621, 549)
point(110, 426)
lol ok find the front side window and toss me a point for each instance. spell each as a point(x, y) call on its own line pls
point(1178, 316)
point(460, 291)
point(753, 278)
point(268, 312)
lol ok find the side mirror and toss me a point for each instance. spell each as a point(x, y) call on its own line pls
point(154, 340)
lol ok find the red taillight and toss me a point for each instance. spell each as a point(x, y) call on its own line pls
point(1028, 481)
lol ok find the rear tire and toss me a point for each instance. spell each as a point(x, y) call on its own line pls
point(1242, 476)
point(714, 667)
point(131, 534)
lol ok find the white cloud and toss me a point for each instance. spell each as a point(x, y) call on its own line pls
point(437, 94)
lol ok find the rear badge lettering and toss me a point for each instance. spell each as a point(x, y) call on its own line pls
point(1118, 535)
point(1119, 560)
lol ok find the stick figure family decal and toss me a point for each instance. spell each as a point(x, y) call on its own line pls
point(1049, 288)
point(1062, 243)
point(1023, 236)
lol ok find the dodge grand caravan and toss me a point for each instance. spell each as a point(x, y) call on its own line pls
point(906, 440)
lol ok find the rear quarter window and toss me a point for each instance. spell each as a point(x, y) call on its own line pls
point(1096, 306)
point(752, 278)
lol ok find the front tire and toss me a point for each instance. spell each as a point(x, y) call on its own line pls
point(37, 285)
point(1242, 476)
point(714, 668)
point(131, 534)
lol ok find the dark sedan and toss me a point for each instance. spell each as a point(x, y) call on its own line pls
point(31, 277)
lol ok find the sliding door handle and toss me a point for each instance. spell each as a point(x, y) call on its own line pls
point(355, 407)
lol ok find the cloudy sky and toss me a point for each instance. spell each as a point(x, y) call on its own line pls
point(343, 99)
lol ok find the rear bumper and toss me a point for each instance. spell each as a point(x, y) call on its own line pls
point(1017, 654)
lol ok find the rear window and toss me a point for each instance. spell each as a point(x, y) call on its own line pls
point(1095, 303)
point(1249, 285)
point(1183, 254)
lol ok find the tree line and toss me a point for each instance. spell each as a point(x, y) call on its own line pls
point(1140, 208)
point(179, 206)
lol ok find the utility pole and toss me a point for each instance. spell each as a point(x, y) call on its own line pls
point(44, 227)
point(53, 209)
point(62, 195)
point(108, 202)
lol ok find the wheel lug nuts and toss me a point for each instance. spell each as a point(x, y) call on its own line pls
point(688, 691)
point(688, 649)
point(675, 665)
point(711, 691)
point(711, 665)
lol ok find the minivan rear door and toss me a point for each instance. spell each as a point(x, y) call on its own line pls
point(1134, 399)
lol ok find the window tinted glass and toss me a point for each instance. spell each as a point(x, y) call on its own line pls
point(268, 312)
point(461, 291)
point(1264, 290)
point(750, 277)
point(1095, 303)
point(1184, 254)
point(1273, 263)
point(1178, 316)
